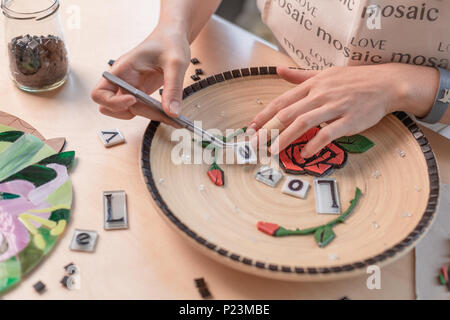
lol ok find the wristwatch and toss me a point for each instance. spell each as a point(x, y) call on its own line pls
point(442, 99)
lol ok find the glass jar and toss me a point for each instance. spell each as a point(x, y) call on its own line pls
point(37, 52)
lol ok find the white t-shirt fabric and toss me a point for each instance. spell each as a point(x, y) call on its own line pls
point(322, 33)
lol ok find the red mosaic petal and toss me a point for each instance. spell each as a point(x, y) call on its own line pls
point(339, 158)
point(318, 169)
point(296, 156)
point(267, 227)
point(322, 158)
point(216, 176)
point(287, 162)
point(311, 133)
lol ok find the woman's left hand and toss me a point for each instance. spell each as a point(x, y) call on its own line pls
point(349, 99)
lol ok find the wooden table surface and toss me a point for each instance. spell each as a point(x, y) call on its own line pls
point(150, 260)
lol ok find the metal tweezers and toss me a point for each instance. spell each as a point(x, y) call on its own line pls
point(156, 106)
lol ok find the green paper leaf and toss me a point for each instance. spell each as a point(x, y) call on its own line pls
point(355, 144)
point(36, 174)
point(283, 232)
point(10, 136)
point(62, 158)
point(324, 235)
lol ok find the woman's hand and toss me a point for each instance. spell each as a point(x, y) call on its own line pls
point(349, 99)
point(161, 59)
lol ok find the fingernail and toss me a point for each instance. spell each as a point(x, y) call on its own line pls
point(254, 141)
point(175, 107)
point(305, 155)
point(274, 147)
point(251, 130)
point(133, 100)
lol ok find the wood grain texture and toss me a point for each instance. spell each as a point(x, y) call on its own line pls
point(394, 202)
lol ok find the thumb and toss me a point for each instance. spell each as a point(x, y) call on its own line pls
point(173, 88)
point(296, 76)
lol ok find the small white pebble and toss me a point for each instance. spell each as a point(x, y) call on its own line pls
point(252, 240)
point(258, 101)
point(236, 209)
point(407, 214)
point(375, 225)
point(161, 180)
point(376, 174)
point(332, 256)
point(417, 188)
point(198, 106)
point(201, 187)
point(401, 153)
point(222, 113)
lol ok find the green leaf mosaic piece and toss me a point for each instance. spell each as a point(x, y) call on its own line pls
point(60, 214)
point(36, 174)
point(10, 136)
point(8, 196)
point(62, 158)
point(355, 144)
point(323, 234)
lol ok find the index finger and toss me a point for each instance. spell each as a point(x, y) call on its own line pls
point(108, 95)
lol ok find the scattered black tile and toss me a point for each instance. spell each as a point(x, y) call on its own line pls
point(111, 62)
point(39, 287)
point(65, 281)
point(263, 70)
point(200, 282)
point(195, 77)
point(198, 71)
point(195, 61)
point(69, 268)
point(204, 292)
point(272, 70)
point(160, 91)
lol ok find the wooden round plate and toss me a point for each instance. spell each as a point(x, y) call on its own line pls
point(396, 208)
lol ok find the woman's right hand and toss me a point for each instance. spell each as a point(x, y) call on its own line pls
point(162, 59)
